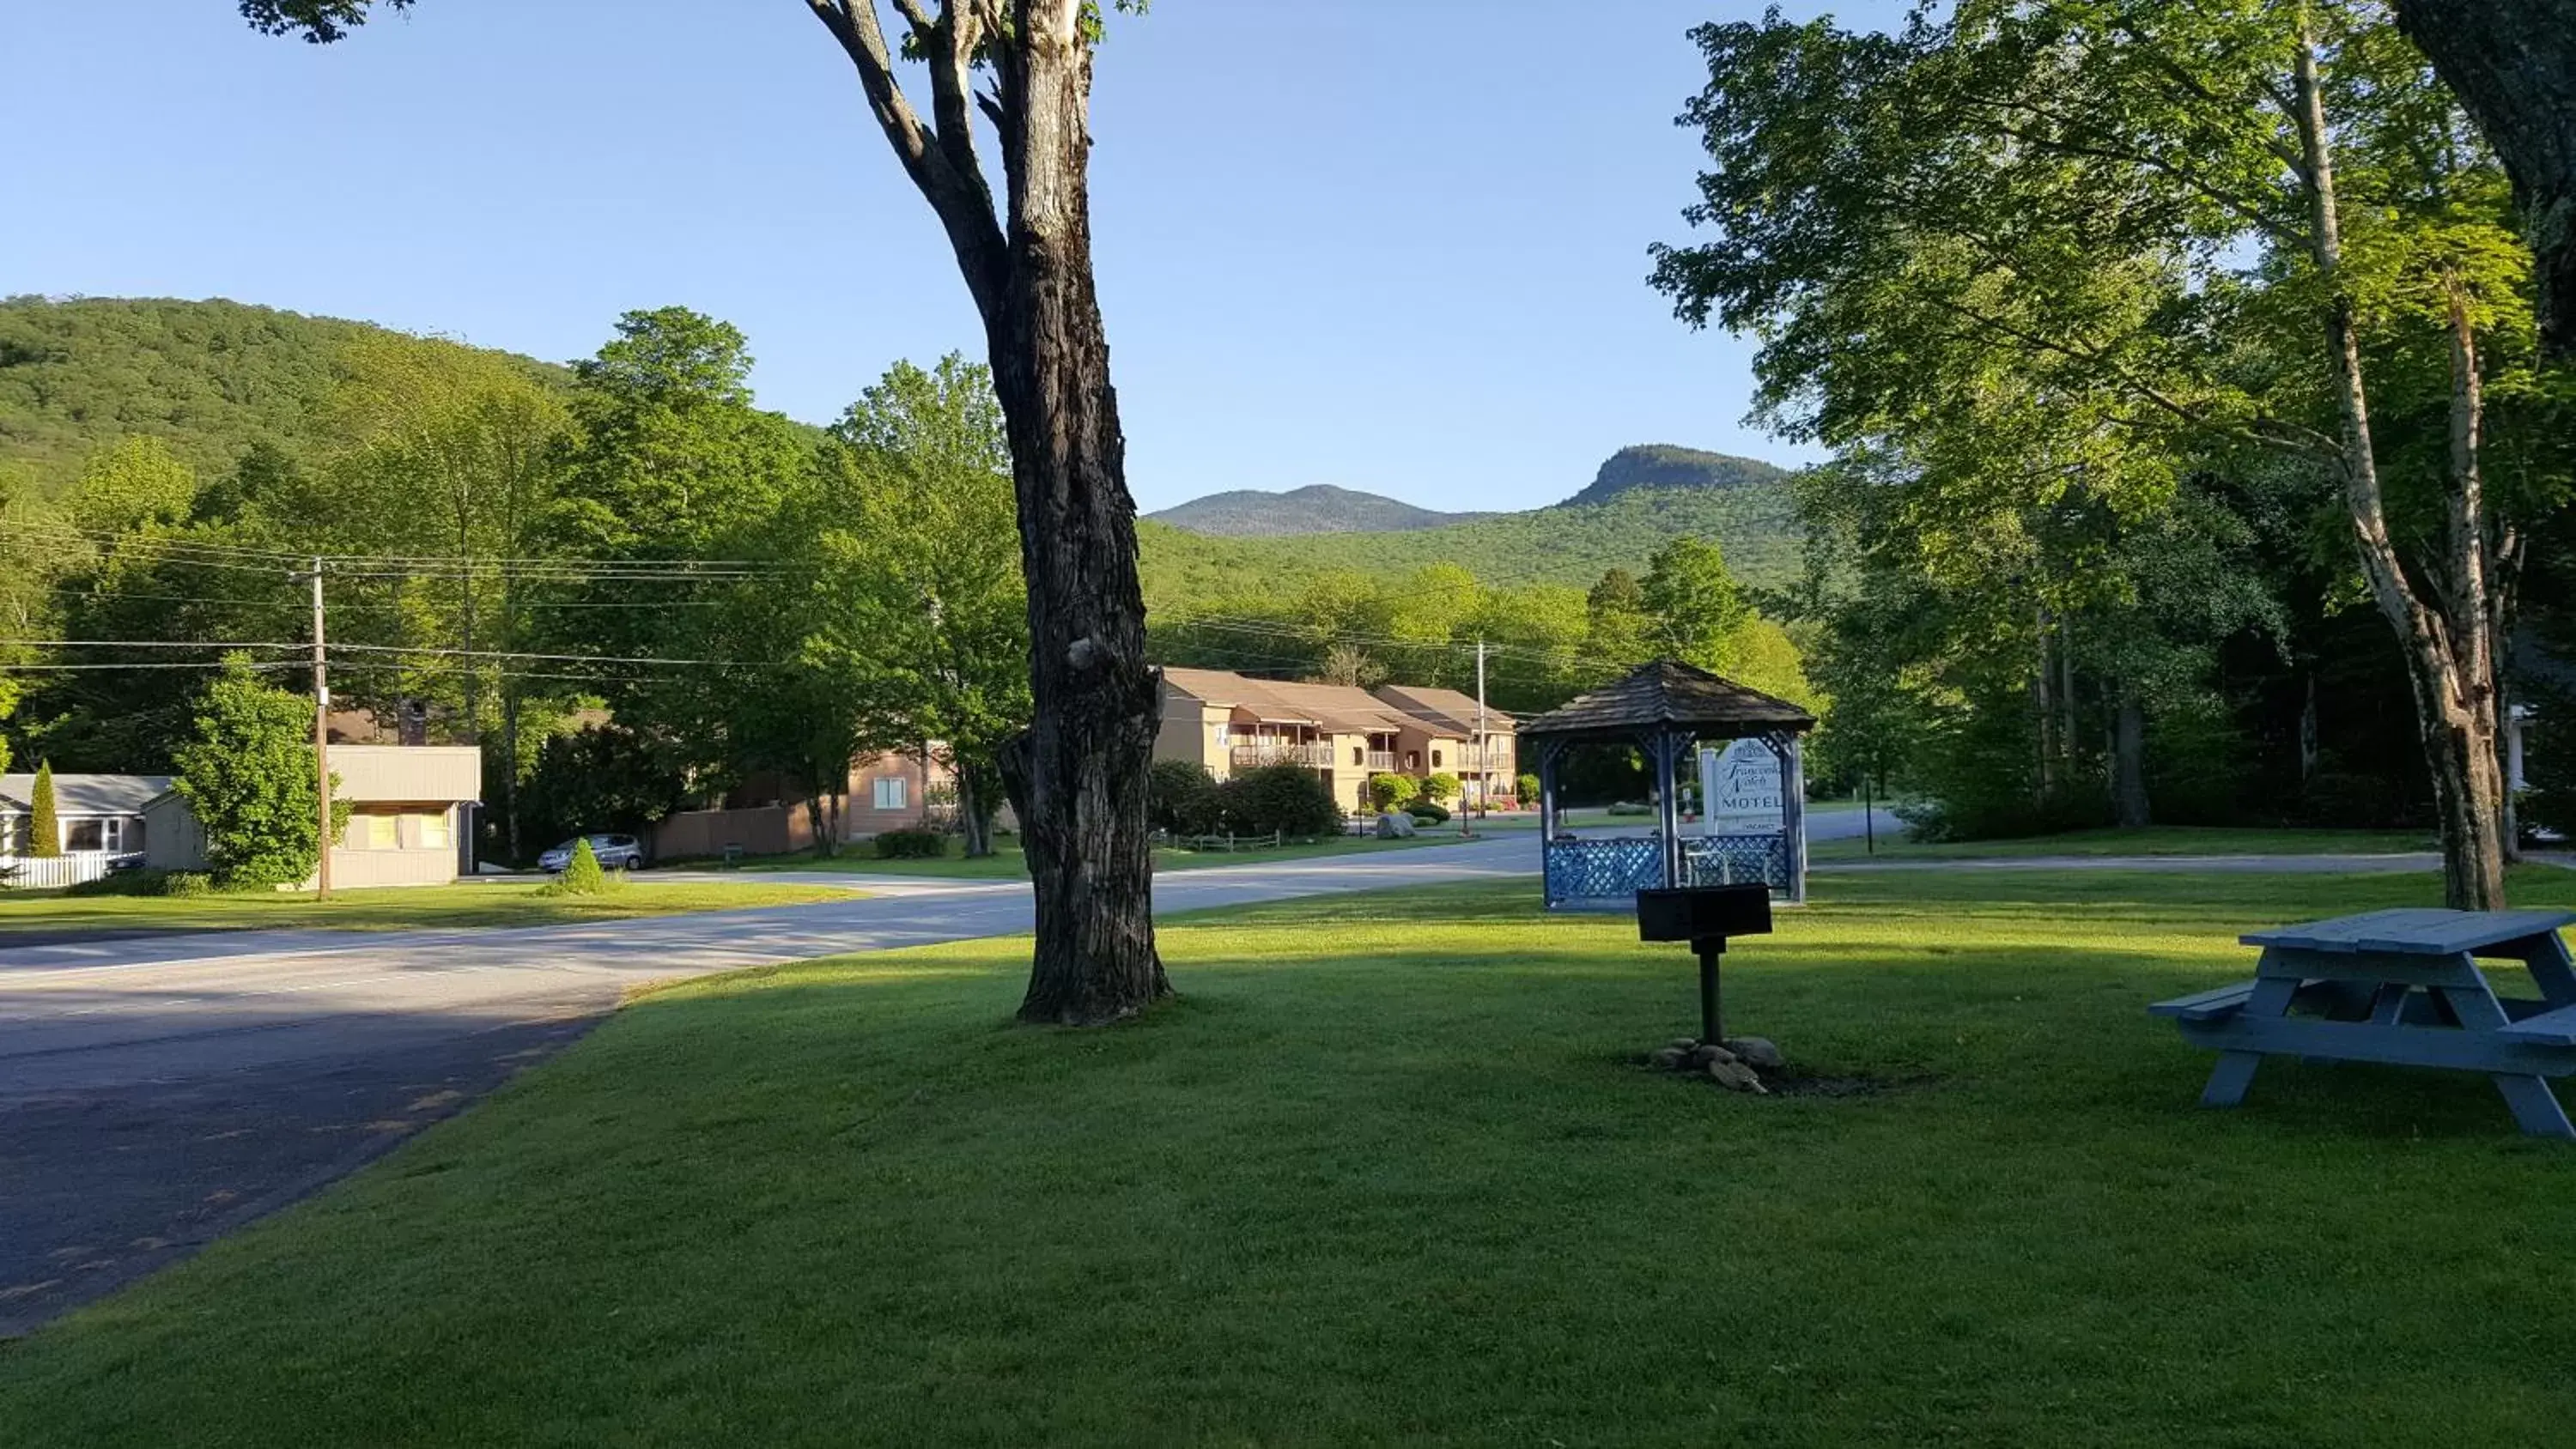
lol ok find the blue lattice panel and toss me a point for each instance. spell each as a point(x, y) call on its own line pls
point(1585, 872)
point(1738, 860)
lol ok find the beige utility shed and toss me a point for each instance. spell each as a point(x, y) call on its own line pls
point(411, 817)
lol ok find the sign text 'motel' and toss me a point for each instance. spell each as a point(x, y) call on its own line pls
point(1741, 784)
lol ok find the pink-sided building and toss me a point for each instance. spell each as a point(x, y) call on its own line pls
point(767, 814)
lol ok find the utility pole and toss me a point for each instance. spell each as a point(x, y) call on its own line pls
point(321, 744)
point(1484, 763)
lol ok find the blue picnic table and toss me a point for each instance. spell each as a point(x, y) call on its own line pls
point(2399, 986)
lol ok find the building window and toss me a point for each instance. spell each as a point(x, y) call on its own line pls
point(84, 835)
point(1435, 759)
point(429, 832)
point(1359, 755)
point(892, 792)
point(373, 832)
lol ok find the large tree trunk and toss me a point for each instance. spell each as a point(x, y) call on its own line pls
point(1076, 776)
point(2129, 763)
point(2513, 65)
point(1079, 771)
point(2450, 691)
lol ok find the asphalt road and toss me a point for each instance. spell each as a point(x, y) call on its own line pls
point(157, 1090)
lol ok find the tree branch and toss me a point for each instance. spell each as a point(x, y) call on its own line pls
point(2264, 432)
point(962, 201)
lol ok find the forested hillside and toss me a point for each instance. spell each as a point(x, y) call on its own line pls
point(209, 379)
point(206, 378)
point(1567, 544)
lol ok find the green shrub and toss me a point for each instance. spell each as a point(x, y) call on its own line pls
point(1286, 799)
point(911, 845)
point(1631, 807)
point(1441, 788)
point(1429, 812)
point(1389, 792)
point(582, 876)
point(1528, 785)
point(123, 883)
point(145, 883)
point(1181, 797)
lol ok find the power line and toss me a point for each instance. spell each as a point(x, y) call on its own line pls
point(302, 559)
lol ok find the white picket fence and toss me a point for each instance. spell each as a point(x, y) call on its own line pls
point(29, 874)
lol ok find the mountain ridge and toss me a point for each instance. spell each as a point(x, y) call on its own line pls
point(1315, 508)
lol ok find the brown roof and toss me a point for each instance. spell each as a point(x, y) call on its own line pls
point(1334, 708)
point(1446, 707)
point(1670, 693)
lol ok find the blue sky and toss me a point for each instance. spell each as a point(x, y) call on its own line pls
point(1391, 246)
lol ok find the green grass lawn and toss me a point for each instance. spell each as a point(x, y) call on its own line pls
point(2152, 840)
point(482, 903)
point(1005, 862)
point(1386, 1174)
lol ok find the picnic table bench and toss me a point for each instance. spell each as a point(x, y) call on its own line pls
point(2403, 987)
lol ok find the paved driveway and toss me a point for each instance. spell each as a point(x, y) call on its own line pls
point(157, 1091)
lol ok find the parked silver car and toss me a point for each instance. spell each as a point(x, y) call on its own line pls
point(615, 852)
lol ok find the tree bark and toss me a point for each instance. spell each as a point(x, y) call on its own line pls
point(2448, 694)
point(2512, 63)
point(1076, 776)
point(1081, 766)
point(2129, 763)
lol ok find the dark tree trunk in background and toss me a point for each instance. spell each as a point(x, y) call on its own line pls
point(1076, 776)
point(2129, 763)
point(2513, 65)
point(974, 806)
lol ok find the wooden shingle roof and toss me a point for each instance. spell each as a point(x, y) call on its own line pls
point(1670, 693)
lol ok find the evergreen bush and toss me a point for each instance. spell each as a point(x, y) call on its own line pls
point(44, 827)
point(582, 875)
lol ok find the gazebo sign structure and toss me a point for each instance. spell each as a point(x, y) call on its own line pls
point(1665, 709)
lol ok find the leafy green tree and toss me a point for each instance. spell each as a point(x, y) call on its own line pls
point(917, 596)
point(44, 826)
point(249, 775)
point(670, 466)
point(1693, 607)
point(601, 777)
point(454, 453)
point(2147, 217)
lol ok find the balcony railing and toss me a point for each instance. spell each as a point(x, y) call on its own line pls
point(1472, 761)
point(1381, 762)
point(1315, 756)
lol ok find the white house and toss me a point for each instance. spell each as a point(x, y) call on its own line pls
point(98, 819)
